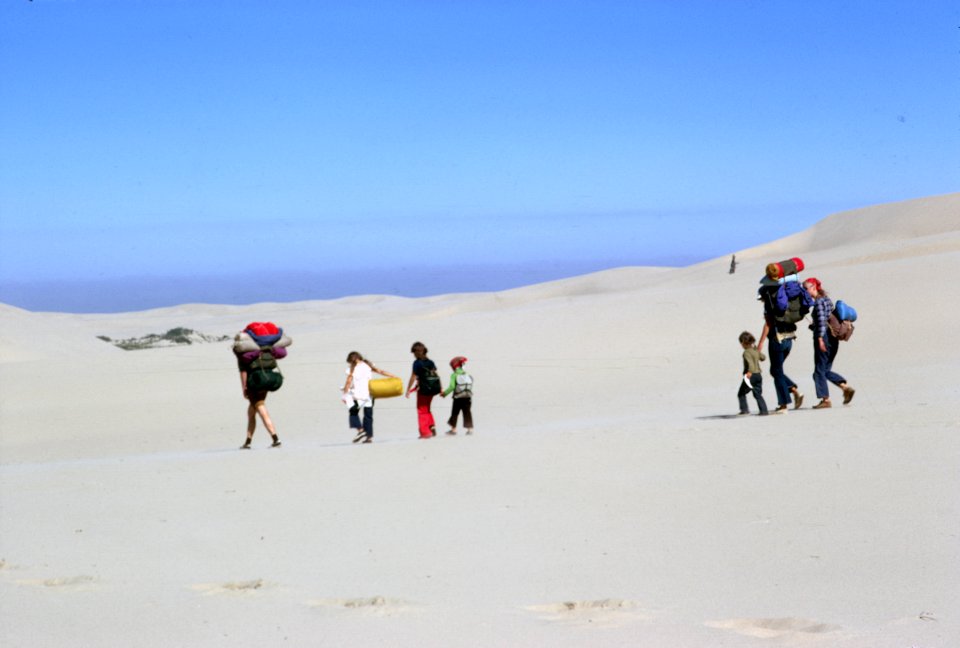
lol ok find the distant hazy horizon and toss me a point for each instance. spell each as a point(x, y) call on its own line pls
point(127, 294)
point(149, 148)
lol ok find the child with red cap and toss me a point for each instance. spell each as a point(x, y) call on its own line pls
point(461, 385)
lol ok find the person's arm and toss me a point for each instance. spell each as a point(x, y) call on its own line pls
point(243, 382)
point(822, 317)
point(820, 309)
point(763, 333)
point(452, 386)
point(380, 371)
point(411, 386)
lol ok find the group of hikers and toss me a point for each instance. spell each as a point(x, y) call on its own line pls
point(258, 347)
point(786, 301)
point(424, 380)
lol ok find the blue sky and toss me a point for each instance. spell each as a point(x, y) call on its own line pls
point(161, 152)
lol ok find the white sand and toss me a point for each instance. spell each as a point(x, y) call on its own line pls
point(602, 502)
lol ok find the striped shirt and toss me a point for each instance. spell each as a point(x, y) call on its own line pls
point(822, 309)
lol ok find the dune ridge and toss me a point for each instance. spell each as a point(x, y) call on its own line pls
point(607, 498)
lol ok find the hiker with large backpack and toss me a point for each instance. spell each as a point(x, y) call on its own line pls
point(784, 304)
point(425, 381)
point(461, 386)
point(825, 346)
point(257, 349)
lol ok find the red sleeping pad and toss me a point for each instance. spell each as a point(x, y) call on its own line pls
point(785, 268)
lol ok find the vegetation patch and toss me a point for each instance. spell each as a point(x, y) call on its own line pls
point(174, 337)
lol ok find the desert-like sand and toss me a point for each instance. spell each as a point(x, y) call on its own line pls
point(606, 499)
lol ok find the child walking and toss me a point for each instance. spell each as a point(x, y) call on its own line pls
point(356, 389)
point(752, 379)
point(461, 385)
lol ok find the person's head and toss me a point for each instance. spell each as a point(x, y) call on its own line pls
point(747, 340)
point(354, 357)
point(457, 362)
point(419, 350)
point(814, 287)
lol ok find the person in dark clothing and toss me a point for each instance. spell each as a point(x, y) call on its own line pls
point(781, 336)
point(425, 381)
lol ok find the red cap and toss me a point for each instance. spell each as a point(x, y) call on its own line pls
point(457, 362)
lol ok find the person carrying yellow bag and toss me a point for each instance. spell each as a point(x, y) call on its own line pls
point(356, 393)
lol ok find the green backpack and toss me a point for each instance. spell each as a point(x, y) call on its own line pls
point(264, 374)
point(428, 381)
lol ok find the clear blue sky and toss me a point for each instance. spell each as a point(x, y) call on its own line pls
point(361, 146)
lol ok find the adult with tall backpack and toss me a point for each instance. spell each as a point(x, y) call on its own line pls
point(825, 346)
point(784, 304)
point(257, 349)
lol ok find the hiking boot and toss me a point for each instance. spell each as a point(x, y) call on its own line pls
point(824, 404)
point(797, 399)
point(360, 436)
point(781, 409)
point(368, 440)
point(276, 442)
point(848, 393)
point(246, 445)
point(743, 413)
point(451, 433)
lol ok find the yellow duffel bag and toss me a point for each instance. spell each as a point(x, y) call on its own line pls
point(386, 387)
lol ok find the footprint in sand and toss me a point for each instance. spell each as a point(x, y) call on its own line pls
point(73, 583)
point(774, 628)
point(603, 613)
point(238, 587)
point(373, 606)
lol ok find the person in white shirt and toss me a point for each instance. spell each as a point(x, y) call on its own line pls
point(357, 389)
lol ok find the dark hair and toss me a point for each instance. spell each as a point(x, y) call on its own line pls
point(354, 357)
point(747, 338)
point(419, 349)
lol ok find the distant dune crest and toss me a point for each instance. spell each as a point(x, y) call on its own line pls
point(891, 222)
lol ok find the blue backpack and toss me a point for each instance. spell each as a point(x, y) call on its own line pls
point(844, 312)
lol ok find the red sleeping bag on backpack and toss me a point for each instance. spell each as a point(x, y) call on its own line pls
point(785, 268)
point(263, 329)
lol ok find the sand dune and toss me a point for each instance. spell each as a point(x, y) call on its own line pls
point(607, 498)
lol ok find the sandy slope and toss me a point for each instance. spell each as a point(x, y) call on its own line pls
point(603, 501)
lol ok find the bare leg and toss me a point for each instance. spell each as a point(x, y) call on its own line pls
point(265, 417)
point(251, 424)
point(267, 422)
